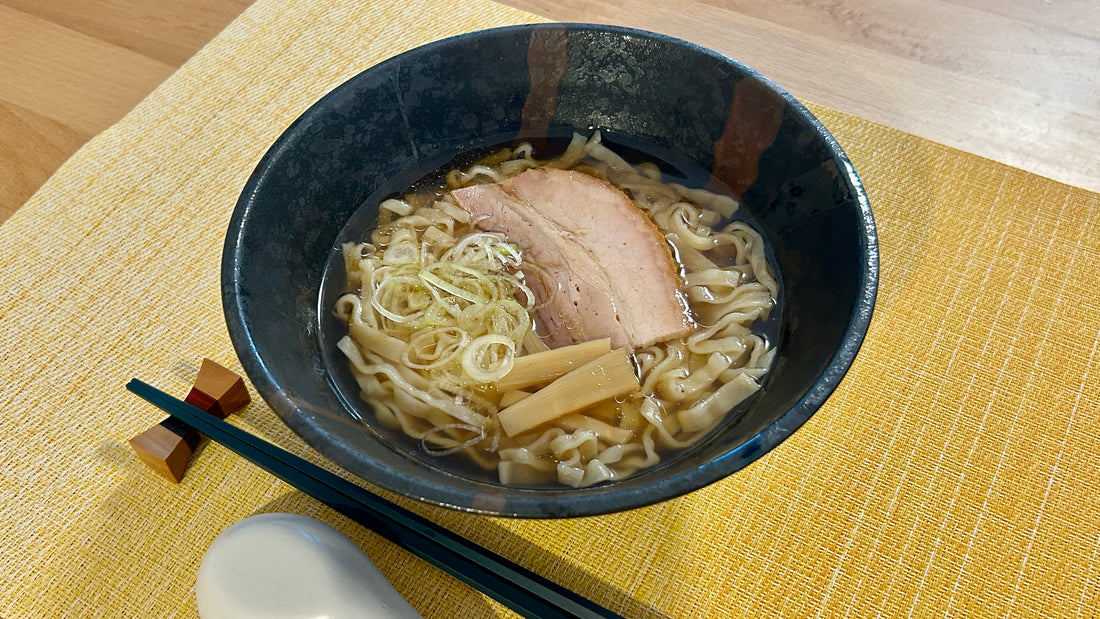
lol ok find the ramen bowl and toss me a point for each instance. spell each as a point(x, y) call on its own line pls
point(380, 131)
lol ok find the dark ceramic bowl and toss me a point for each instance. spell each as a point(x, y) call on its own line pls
point(384, 128)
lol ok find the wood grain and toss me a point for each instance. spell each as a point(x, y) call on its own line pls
point(71, 68)
point(1013, 80)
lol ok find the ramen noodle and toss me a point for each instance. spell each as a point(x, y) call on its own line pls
point(446, 343)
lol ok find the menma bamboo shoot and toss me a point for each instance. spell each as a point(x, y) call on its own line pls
point(606, 377)
point(543, 367)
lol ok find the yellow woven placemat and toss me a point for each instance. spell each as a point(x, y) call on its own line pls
point(954, 473)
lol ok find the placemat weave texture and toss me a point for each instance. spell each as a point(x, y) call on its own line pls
point(955, 472)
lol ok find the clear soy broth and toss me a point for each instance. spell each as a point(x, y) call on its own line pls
point(429, 181)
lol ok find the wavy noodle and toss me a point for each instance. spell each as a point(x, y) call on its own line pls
point(438, 309)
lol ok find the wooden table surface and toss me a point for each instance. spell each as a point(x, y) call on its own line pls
point(1014, 80)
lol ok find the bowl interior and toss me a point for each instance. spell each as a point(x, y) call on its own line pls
point(385, 128)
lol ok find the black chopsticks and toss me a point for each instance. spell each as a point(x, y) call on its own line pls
point(497, 577)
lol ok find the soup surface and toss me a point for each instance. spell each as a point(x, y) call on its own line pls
point(566, 320)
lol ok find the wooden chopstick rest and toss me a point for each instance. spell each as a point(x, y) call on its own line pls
point(218, 391)
point(168, 446)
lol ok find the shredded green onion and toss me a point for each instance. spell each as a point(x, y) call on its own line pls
point(488, 358)
point(449, 278)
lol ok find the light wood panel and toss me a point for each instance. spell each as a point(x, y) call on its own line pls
point(70, 77)
point(1014, 80)
point(167, 31)
point(32, 146)
point(71, 68)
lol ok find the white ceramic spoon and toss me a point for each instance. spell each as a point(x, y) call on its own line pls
point(278, 566)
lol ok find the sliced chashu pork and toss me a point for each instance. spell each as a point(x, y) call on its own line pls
point(613, 271)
